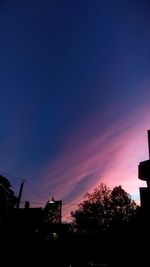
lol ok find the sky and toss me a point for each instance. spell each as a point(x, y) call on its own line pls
point(74, 96)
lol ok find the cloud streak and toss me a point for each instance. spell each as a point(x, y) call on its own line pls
point(111, 157)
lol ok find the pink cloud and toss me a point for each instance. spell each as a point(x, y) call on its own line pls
point(111, 157)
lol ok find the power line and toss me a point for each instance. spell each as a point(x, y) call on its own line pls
point(20, 179)
point(73, 204)
point(10, 175)
point(40, 203)
point(34, 190)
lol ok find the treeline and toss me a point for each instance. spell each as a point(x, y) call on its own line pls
point(107, 228)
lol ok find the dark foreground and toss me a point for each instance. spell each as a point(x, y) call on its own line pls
point(128, 247)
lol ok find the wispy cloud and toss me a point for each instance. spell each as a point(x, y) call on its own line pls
point(111, 157)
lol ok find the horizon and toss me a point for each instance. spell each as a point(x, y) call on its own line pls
point(75, 98)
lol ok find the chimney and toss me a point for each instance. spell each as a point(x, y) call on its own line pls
point(27, 205)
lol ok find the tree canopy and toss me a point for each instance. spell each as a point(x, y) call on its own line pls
point(7, 191)
point(104, 209)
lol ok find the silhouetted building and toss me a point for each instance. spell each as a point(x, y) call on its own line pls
point(52, 211)
point(144, 174)
point(27, 222)
point(3, 204)
point(145, 197)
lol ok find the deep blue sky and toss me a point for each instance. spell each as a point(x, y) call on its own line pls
point(69, 70)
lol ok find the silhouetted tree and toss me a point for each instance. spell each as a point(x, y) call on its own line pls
point(103, 210)
point(7, 198)
point(122, 207)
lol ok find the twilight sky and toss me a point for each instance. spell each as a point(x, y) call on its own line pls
point(74, 95)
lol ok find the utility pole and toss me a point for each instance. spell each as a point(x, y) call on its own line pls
point(20, 194)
